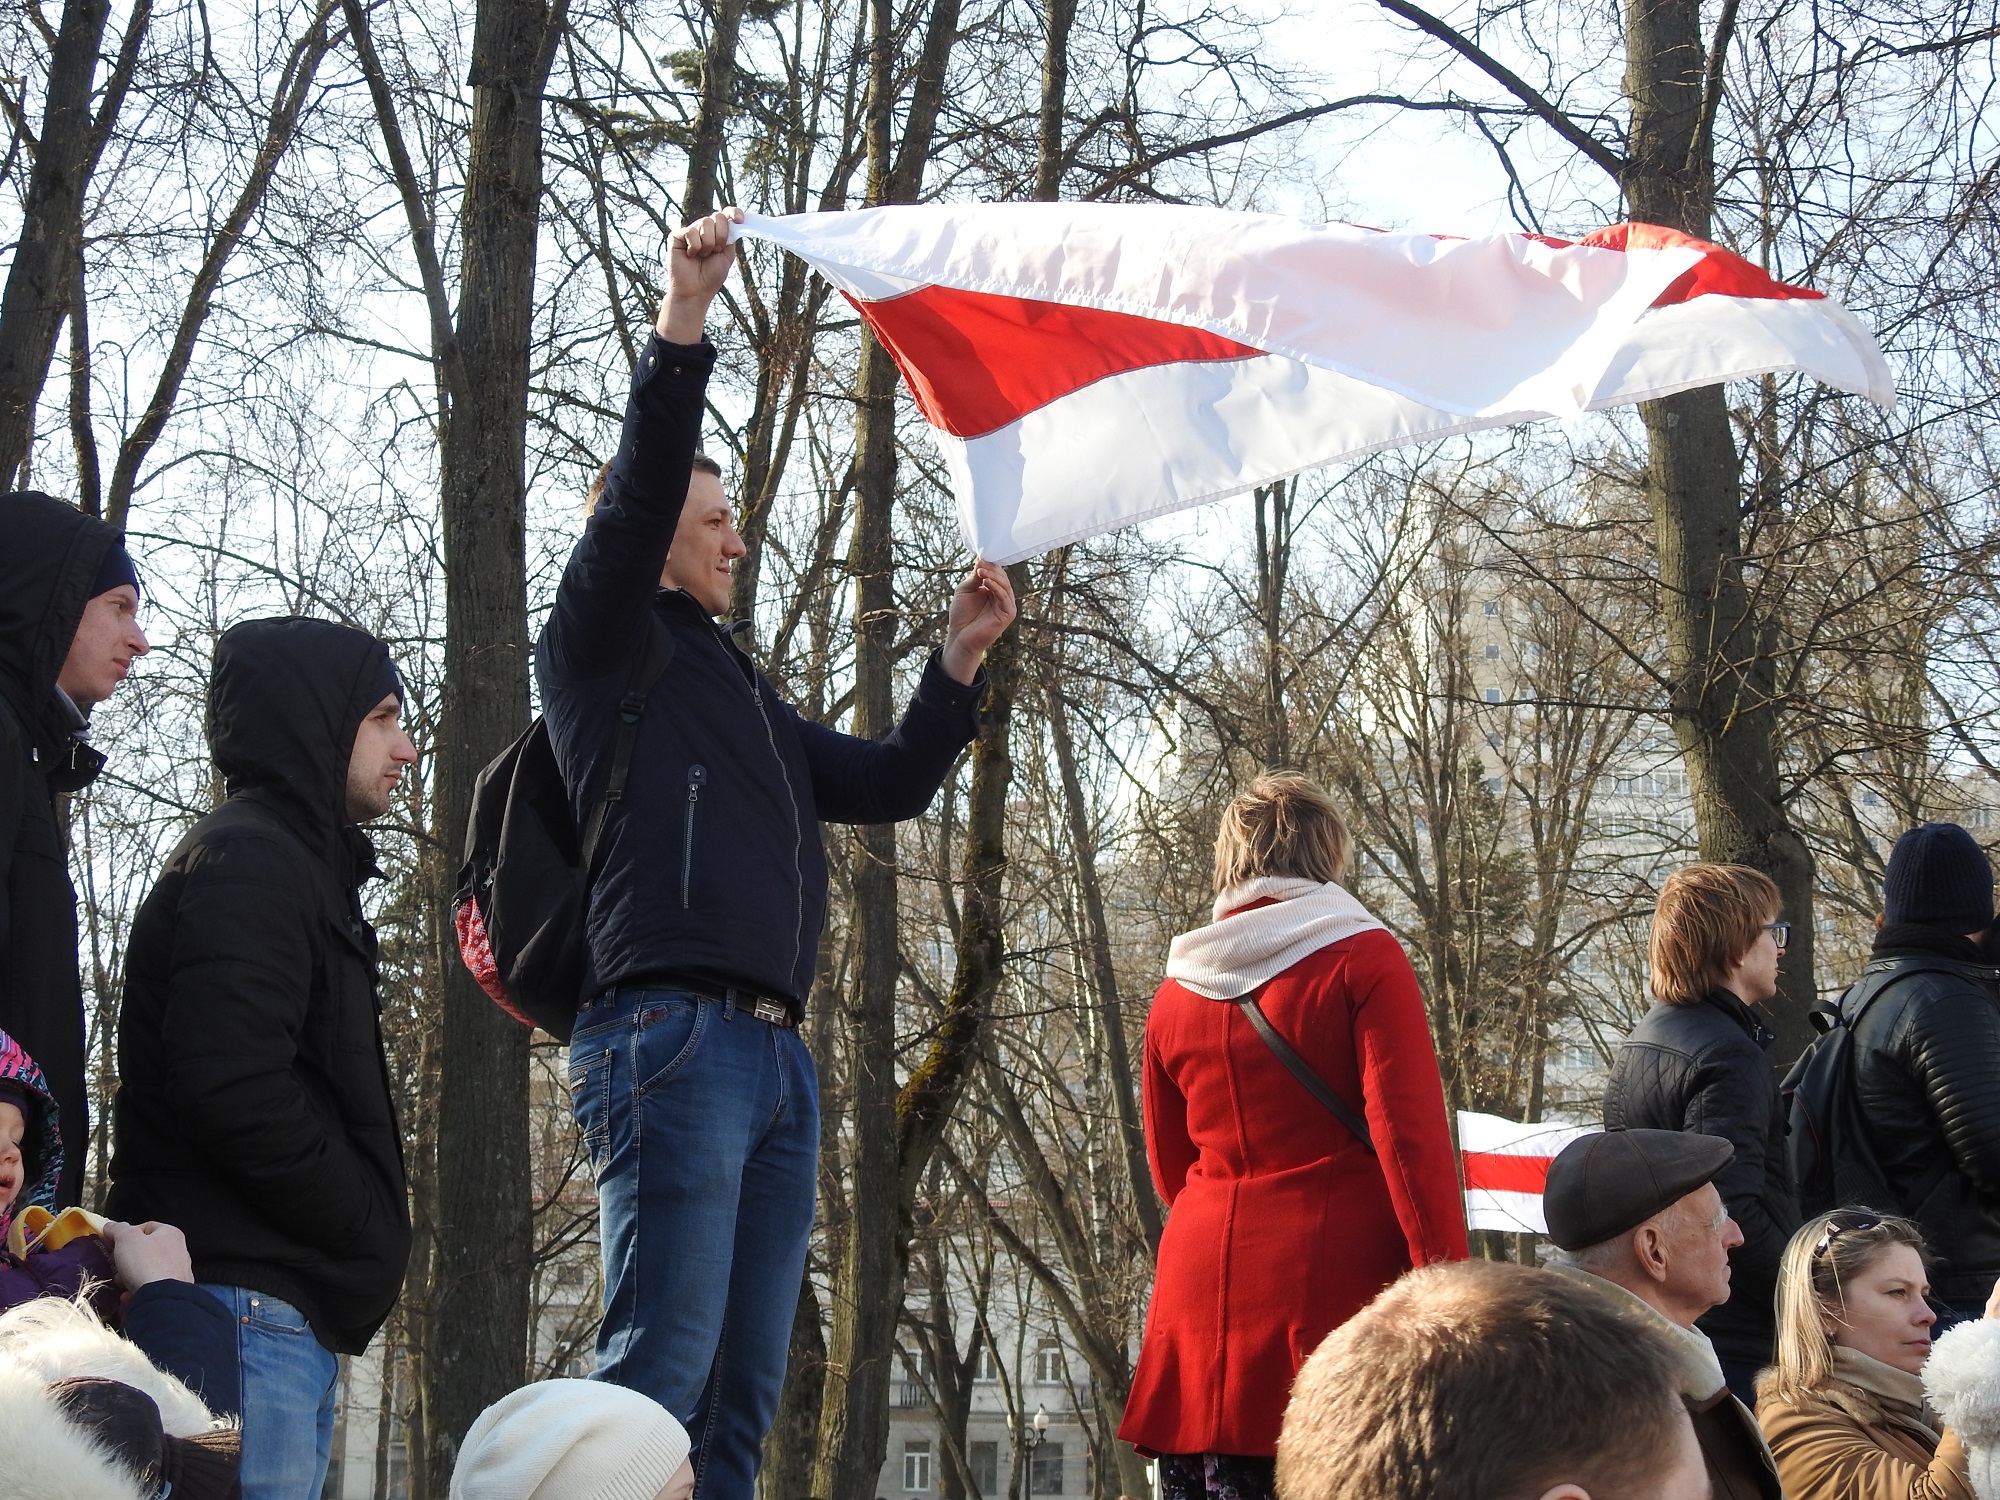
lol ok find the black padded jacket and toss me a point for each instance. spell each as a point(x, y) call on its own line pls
point(1707, 1068)
point(49, 555)
point(1927, 1076)
point(254, 1108)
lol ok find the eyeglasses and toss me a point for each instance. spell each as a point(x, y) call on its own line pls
point(1780, 932)
point(1839, 1225)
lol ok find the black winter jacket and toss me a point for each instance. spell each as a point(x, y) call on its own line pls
point(1927, 1077)
point(254, 1108)
point(711, 864)
point(1706, 1068)
point(49, 554)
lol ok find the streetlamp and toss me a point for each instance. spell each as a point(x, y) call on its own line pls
point(1031, 1439)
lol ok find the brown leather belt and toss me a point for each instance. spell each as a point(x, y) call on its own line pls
point(750, 1002)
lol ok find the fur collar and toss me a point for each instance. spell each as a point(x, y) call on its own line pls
point(42, 1454)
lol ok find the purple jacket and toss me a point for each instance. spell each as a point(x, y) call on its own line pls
point(84, 1263)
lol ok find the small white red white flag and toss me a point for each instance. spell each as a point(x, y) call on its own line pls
point(1505, 1166)
point(1084, 366)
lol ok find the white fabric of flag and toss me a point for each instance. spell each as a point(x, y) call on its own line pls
point(1086, 366)
point(1504, 1165)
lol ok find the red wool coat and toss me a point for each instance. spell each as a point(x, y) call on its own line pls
point(1282, 1225)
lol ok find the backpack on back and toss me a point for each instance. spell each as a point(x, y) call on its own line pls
point(1833, 1163)
point(524, 889)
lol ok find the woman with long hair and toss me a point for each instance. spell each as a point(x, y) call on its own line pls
point(1300, 1140)
point(1846, 1408)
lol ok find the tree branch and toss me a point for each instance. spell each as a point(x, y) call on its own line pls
point(1537, 104)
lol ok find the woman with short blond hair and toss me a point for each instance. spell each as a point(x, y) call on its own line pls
point(1699, 1061)
point(1302, 1145)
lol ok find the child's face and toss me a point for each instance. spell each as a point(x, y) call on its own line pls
point(681, 1485)
point(13, 1128)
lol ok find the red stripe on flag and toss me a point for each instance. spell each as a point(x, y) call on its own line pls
point(976, 361)
point(1721, 272)
point(1498, 1173)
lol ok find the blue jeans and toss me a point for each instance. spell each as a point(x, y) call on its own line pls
point(288, 1383)
point(702, 1124)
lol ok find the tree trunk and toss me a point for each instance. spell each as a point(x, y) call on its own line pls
point(867, 1287)
point(484, 1229)
point(718, 85)
point(43, 272)
point(788, 1451)
point(1103, 973)
point(1720, 653)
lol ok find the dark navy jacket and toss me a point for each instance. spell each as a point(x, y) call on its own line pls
point(711, 865)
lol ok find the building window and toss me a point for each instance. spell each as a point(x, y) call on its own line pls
point(983, 1367)
point(916, 1466)
point(986, 1468)
point(1492, 606)
point(1045, 1470)
point(1048, 1363)
point(1493, 695)
point(1492, 652)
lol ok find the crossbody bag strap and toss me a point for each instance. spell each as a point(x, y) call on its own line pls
point(652, 660)
point(1299, 1069)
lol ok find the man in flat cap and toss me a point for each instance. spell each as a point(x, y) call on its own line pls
point(1639, 1216)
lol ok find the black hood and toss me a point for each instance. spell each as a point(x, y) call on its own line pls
point(284, 702)
point(49, 556)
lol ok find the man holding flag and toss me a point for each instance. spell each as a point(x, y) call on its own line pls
point(696, 1097)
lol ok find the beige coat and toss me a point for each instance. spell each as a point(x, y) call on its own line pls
point(1739, 1465)
point(1867, 1436)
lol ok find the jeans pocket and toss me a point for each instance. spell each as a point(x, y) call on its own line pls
point(597, 1016)
point(590, 1098)
point(270, 1315)
point(669, 1030)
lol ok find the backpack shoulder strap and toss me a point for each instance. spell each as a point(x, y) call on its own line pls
point(655, 654)
point(1870, 987)
point(1301, 1070)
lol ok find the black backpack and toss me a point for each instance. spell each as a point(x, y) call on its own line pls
point(1833, 1164)
point(524, 888)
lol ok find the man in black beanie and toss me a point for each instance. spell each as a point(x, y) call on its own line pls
point(69, 631)
point(1926, 1029)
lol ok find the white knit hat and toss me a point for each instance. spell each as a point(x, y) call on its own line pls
point(569, 1440)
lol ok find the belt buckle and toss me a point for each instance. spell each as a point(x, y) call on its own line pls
point(777, 1015)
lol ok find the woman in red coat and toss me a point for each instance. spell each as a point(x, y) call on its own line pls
point(1284, 1223)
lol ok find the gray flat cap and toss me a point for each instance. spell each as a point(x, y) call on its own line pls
point(1602, 1185)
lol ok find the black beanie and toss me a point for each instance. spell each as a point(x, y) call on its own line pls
point(115, 571)
point(1939, 876)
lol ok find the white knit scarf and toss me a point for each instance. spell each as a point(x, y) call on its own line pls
point(1234, 954)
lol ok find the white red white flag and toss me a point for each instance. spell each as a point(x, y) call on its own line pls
point(1084, 366)
point(1505, 1166)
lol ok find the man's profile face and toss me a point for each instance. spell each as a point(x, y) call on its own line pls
point(705, 545)
point(381, 749)
point(107, 638)
point(1702, 1235)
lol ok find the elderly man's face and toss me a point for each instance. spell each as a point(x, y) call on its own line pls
point(1698, 1235)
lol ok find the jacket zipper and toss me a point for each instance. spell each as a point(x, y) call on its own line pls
point(749, 670)
point(697, 779)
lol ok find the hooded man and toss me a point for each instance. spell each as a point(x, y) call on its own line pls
point(254, 1108)
point(69, 600)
